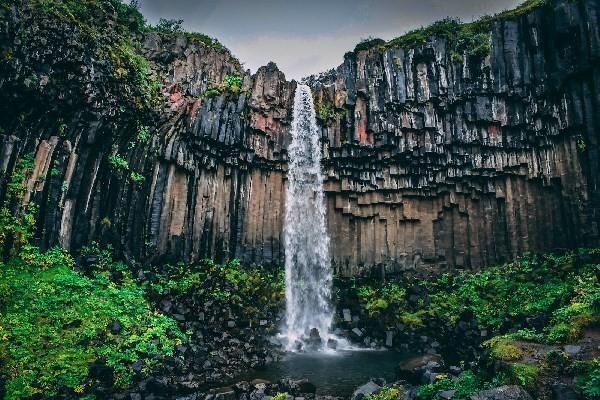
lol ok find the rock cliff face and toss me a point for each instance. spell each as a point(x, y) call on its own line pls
point(431, 163)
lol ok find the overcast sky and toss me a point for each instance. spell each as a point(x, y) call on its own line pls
point(309, 36)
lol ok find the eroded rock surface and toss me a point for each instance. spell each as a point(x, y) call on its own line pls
point(431, 162)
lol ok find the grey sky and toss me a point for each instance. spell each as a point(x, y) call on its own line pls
point(309, 36)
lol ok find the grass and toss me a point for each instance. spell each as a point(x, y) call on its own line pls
point(472, 38)
point(54, 324)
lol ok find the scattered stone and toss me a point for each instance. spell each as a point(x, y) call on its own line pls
point(115, 327)
point(446, 394)
point(364, 390)
point(389, 336)
point(357, 332)
point(572, 349)
point(347, 315)
point(332, 343)
point(416, 368)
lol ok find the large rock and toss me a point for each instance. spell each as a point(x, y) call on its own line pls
point(503, 393)
point(431, 163)
point(416, 368)
point(368, 388)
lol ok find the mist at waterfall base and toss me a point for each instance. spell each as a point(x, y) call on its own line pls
point(308, 278)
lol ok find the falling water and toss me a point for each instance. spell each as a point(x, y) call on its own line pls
point(307, 268)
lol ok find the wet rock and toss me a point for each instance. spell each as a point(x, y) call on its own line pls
point(561, 391)
point(389, 336)
point(347, 315)
point(332, 344)
point(572, 349)
point(368, 388)
point(446, 394)
point(416, 368)
point(115, 327)
point(357, 332)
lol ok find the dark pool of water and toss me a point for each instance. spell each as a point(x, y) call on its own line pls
point(338, 373)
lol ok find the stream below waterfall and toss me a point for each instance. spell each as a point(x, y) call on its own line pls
point(336, 373)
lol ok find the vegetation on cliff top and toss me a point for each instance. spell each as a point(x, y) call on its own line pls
point(473, 38)
point(76, 56)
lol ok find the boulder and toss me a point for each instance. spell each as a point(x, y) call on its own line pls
point(368, 388)
point(416, 368)
point(502, 393)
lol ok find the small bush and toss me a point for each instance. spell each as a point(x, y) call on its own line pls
point(118, 162)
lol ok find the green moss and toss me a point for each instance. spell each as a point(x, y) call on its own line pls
point(502, 349)
point(465, 385)
point(525, 375)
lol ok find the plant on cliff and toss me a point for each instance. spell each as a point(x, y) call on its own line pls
point(118, 162)
point(17, 223)
point(472, 39)
point(588, 378)
point(231, 84)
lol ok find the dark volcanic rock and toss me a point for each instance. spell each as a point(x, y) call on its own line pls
point(502, 393)
point(432, 162)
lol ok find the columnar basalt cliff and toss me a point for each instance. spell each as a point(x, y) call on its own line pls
point(431, 161)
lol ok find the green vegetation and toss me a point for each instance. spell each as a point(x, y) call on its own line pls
point(17, 224)
point(118, 162)
point(465, 385)
point(248, 288)
point(386, 393)
point(55, 322)
point(137, 178)
point(231, 84)
point(589, 377)
point(564, 290)
point(502, 349)
point(473, 38)
point(280, 396)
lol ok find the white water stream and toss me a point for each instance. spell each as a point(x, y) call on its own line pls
point(308, 274)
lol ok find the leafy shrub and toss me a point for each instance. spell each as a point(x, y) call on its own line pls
point(280, 396)
point(376, 301)
point(118, 162)
point(465, 385)
point(525, 375)
point(589, 379)
point(231, 84)
point(55, 323)
point(386, 393)
point(169, 26)
point(137, 178)
point(143, 134)
point(16, 223)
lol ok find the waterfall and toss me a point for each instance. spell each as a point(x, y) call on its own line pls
point(307, 264)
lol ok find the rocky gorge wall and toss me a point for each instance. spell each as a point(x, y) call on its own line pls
point(432, 162)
